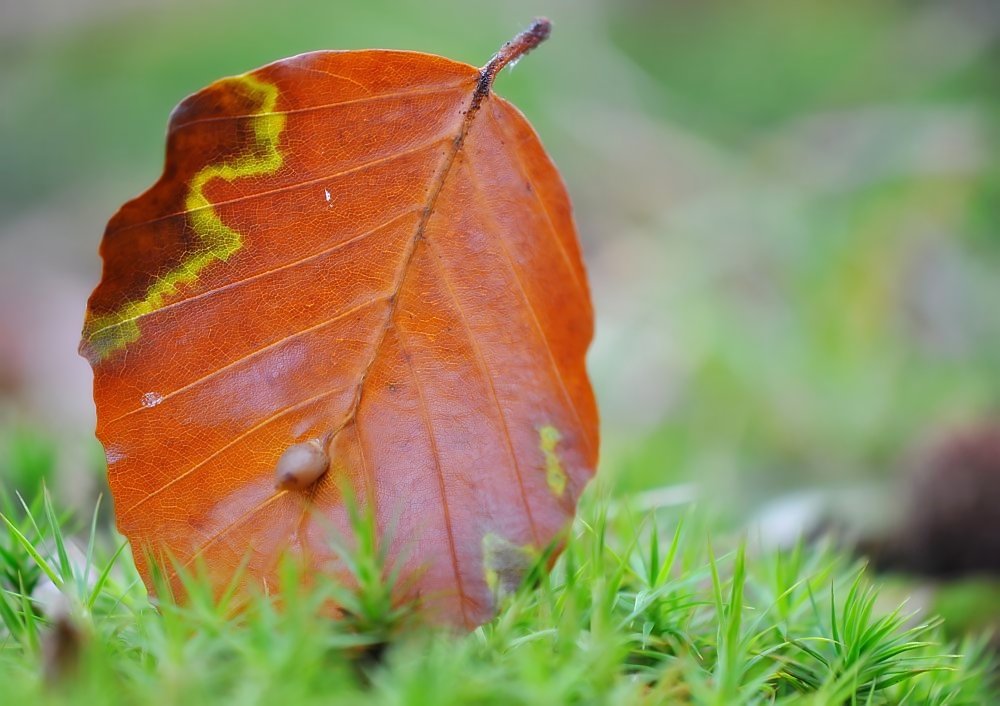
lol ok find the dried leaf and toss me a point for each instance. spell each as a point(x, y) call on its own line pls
point(367, 254)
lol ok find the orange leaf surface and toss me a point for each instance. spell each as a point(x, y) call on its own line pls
point(358, 267)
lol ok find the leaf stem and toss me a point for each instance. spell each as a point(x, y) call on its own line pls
point(513, 50)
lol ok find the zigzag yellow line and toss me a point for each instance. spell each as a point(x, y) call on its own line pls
point(107, 333)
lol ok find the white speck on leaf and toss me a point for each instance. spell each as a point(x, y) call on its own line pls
point(326, 192)
point(151, 399)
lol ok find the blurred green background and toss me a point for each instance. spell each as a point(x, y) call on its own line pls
point(789, 211)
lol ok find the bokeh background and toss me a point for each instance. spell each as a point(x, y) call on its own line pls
point(789, 211)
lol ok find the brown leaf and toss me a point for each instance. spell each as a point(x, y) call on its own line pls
point(357, 266)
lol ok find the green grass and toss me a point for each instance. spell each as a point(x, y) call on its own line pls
point(641, 608)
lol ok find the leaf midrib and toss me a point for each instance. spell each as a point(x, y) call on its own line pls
point(480, 93)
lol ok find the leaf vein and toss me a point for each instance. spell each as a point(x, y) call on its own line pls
point(541, 205)
point(311, 108)
point(259, 275)
point(495, 228)
point(259, 351)
point(257, 427)
point(288, 187)
point(488, 378)
point(425, 417)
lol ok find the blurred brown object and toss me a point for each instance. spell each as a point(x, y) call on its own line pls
point(951, 523)
point(62, 645)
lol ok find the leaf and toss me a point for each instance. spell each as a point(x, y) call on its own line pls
point(359, 269)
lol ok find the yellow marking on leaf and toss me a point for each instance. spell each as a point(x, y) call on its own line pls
point(555, 475)
point(108, 333)
point(505, 564)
